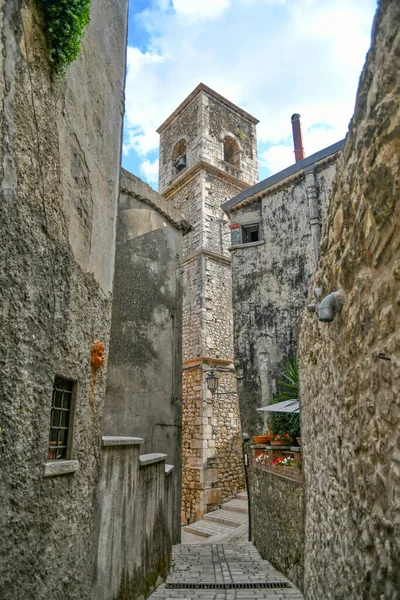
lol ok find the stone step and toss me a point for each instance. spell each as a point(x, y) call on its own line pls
point(242, 496)
point(236, 505)
point(226, 517)
point(232, 534)
point(207, 528)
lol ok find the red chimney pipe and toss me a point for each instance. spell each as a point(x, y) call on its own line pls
point(297, 137)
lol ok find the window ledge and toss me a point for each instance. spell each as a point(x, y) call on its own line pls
point(249, 245)
point(52, 468)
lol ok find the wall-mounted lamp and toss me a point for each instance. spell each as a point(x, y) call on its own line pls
point(212, 382)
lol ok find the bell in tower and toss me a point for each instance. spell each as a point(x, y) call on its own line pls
point(181, 163)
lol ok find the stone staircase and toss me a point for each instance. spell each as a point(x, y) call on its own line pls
point(227, 524)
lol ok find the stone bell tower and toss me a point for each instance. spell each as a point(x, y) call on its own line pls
point(208, 154)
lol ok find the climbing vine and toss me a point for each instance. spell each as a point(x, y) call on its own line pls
point(65, 21)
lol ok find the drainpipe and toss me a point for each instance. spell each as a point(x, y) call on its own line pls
point(313, 210)
point(297, 137)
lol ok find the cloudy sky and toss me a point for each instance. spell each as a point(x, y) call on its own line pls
point(270, 57)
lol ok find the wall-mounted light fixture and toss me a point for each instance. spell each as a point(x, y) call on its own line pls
point(212, 380)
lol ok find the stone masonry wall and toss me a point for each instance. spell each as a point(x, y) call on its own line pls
point(59, 173)
point(349, 369)
point(187, 127)
point(277, 525)
point(212, 467)
point(212, 462)
point(216, 236)
point(221, 120)
point(192, 444)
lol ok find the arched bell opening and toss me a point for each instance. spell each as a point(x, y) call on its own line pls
point(231, 151)
point(179, 160)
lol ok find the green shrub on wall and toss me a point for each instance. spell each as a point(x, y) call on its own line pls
point(65, 22)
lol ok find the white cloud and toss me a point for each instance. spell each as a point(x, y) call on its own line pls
point(150, 170)
point(279, 156)
point(271, 57)
point(276, 158)
point(200, 9)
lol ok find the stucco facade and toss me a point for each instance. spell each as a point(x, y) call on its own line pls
point(208, 153)
point(144, 382)
point(59, 156)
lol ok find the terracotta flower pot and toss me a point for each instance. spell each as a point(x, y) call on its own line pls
point(52, 451)
point(280, 443)
point(260, 439)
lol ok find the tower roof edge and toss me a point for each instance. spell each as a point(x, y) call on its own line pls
point(204, 88)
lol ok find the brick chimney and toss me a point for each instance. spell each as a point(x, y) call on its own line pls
point(297, 137)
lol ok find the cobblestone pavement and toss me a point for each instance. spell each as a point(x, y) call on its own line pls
point(216, 564)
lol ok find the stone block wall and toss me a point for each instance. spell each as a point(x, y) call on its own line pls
point(212, 466)
point(220, 120)
point(193, 450)
point(133, 524)
point(210, 471)
point(188, 127)
point(349, 368)
point(59, 176)
point(277, 521)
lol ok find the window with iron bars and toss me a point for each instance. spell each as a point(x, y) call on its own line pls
point(60, 419)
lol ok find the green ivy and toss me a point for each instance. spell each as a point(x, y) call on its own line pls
point(65, 22)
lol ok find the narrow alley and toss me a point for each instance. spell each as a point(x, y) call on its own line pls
point(216, 562)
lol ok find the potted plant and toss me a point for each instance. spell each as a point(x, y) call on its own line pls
point(261, 459)
point(284, 461)
point(280, 439)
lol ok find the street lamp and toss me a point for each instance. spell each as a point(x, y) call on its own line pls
point(212, 382)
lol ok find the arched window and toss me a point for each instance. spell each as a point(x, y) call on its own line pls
point(179, 156)
point(231, 151)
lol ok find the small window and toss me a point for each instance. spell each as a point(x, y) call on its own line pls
point(250, 233)
point(60, 419)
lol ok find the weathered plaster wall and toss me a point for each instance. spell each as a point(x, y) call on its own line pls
point(349, 391)
point(134, 539)
point(144, 381)
point(59, 161)
point(270, 284)
point(277, 525)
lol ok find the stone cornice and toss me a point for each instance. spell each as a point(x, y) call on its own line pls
point(192, 363)
point(204, 88)
point(209, 254)
point(190, 173)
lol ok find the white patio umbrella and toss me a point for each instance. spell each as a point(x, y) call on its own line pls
point(287, 406)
